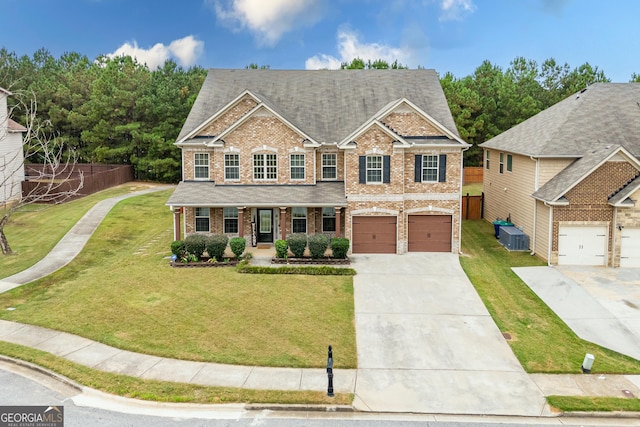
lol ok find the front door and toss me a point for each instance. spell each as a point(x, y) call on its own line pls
point(265, 226)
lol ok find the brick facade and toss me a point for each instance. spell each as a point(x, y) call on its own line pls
point(265, 133)
point(589, 205)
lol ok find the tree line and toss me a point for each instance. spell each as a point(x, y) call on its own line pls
point(116, 110)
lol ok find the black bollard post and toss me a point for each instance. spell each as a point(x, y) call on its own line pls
point(330, 372)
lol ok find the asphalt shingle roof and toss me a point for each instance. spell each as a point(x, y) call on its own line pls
point(327, 105)
point(207, 193)
point(604, 113)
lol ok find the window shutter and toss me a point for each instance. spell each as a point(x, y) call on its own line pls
point(386, 169)
point(418, 170)
point(363, 169)
point(442, 168)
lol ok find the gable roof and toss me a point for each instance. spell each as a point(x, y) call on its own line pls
point(604, 113)
point(327, 105)
point(621, 198)
point(14, 126)
point(554, 190)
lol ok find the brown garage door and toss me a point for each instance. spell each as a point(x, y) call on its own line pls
point(374, 234)
point(429, 233)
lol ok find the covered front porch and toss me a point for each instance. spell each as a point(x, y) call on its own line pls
point(261, 214)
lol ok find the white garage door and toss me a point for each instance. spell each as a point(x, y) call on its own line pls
point(582, 245)
point(630, 247)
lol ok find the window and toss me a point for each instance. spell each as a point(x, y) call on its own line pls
point(509, 163)
point(202, 220)
point(328, 220)
point(501, 162)
point(297, 166)
point(374, 169)
point(329, 166)
point(299, 221)
point(265, 166)
point(488, 152)
point(429, 168)
point(231, 167)
point(201, 165)
point(230, 216)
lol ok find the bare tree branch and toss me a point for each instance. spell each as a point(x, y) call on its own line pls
point(54, 174)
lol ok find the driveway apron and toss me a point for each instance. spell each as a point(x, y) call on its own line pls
point(427, 344)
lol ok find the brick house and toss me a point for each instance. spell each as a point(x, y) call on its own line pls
point(371, 155)
point(11, 154)
point(570, 178)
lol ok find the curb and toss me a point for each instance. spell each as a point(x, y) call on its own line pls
point(299, 408)
point(39, 369)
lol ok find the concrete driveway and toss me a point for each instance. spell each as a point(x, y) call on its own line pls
point(427, 344)
point(599, 304)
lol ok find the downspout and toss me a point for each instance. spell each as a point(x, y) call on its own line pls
point(535, 205)
point(613, 237)
point(550, 234)
point(460, 195)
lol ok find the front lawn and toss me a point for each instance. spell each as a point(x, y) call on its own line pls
point(121, 291)
point(540, 339)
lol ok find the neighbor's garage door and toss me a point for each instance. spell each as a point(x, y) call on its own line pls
point(374, 234)
point(429, 233)
point(582, 245)
point(630, 247)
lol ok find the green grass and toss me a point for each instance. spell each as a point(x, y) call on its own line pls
point(594, 404)
point(474, 189)
point(541, 341)
point(35, 230)
point(122, 292)
point(164, 391)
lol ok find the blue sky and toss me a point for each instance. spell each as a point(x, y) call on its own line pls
point(447, 35)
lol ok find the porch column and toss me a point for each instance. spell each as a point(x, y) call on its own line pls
point(176, 223)
point(283, 223)
point(338, 231)
point(241, 221)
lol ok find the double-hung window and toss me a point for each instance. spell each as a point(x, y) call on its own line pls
point(230, 216)
point(488, 152)
point(265, 167)
point(231, 167)
point(329, 166)
point(509, 163)
point(328, 220)
point(429, 168)
point(374, 169)
point(299, 220)
point(202, 220)
point(201, 165)
point(297, 166)
point(501, 162)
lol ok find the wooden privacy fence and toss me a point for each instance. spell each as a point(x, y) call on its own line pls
point(472, 207)
point(473, 175)
point(95, 178)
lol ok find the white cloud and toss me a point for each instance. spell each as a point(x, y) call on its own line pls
point(186, 50)
point(269, 20)
point(455, 9)
point(349, 47)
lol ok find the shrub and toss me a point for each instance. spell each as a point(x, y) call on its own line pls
point(195, 244)
point(281, 248)
point(237, 245)
point(297, 243)
point(216, 244)
point(318, 244)
point(177, 248)
point(340, 247)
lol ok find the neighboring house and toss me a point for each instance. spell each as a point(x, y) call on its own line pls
point(570, 178)
point(371, 155)
point(11, 154)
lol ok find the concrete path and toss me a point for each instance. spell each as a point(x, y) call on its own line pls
point(426, 343)
point(600, 305)
point(71, 244)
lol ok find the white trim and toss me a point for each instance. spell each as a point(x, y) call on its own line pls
point(208, 166)
point(322, 177)
point(224, 166)
point(433, 209)
point(304, 167)
point(374, 209)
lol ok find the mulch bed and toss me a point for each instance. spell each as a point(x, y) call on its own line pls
point(230, 263)
point(311, 261)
